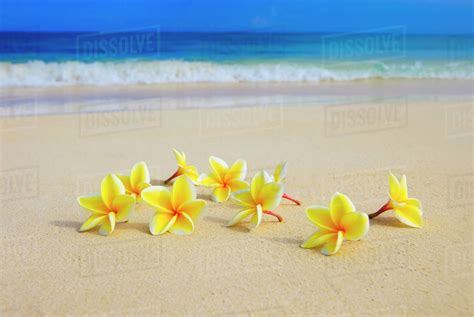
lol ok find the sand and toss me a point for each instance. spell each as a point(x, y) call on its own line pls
point(346, 144)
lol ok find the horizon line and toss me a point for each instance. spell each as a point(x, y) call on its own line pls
point(239, 31)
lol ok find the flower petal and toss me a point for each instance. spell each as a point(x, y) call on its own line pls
point(139, 174)
point(189, 171)
point(270, 195)
point(126, 183)
point(221, 194)
point(123, 205)
point(92, 221)
point(403, 188)
point(333, 244)
point(158, 197)
point(394, 186)
point(111, 186)
point(240, 217)
point(319, 238)
point(142, 186)
point(180, 157)
point(243, 198)
point(161, 223)
point(193, 208)
point(219, 167)
point(409, 215)
point(257, 217)
point(321, 218)
point(355, 224)
point(211, 180)
point(238, 170)
point(93, 203)
point(258, 181)
point(340, 205)
point(280, 172)
point(414, 202)
point(183, 191)
point(236, 185)
point(184, 225)
point(108, 225)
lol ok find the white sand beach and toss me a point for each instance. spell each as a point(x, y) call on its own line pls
point(334, 137)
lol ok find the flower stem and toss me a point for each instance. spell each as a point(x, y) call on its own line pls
point(176, 174)
point(291, 199)
point(382, 209)
point(271, 213)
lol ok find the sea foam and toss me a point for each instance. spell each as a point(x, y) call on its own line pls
point(39, 73)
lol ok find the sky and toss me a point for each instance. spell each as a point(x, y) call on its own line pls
point(418, 16)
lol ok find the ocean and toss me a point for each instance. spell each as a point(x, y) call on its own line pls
point(149, 56)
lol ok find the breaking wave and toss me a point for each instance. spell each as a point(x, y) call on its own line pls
point(39, 73)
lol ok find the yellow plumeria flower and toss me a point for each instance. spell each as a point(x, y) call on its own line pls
point(279, 176)
point(407, 210)
point(138, 180)
point(183, 168)
point(224, 179)
point(111, 206)
point(176, 210)
point(339, 222)
point(262, 196)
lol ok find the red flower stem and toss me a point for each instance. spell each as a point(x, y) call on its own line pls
point(291, 199)
point(381, 210)
point(271, 213)
point(176, 174)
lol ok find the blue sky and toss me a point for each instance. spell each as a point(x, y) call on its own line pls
point(419, 16)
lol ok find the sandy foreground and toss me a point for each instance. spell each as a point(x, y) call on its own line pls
point(346, 144)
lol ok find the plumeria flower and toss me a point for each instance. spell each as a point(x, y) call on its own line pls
point(407, 210)
point(111, 206)
point(279, 176)
point(176, 210)
point(183, 168)
point(261, 198)
point(224, 179)
point(339, 222)
point(138, 180)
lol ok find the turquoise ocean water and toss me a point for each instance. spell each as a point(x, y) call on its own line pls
point(150, 56)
